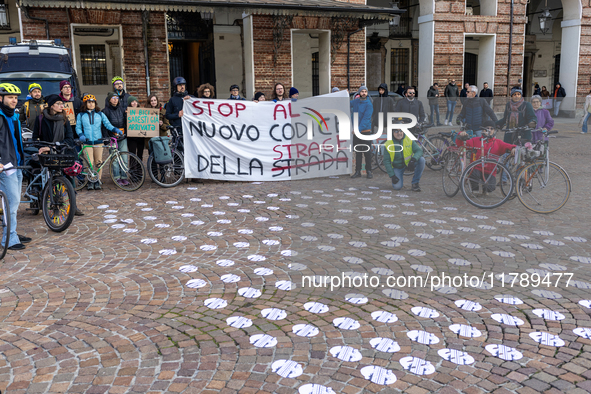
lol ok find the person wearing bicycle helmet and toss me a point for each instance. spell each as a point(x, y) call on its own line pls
point(174, 107)
point(518, 113)
point(33, 107)
point(235, 93)
point(11, 155)
point(53, 126)
point(90, 126)
point(119, 91)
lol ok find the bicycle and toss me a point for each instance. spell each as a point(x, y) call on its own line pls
point(433, 147)
point(48, 189)
point(127, 163)
point(478, 182)
point(4, 223)
point(173, 173)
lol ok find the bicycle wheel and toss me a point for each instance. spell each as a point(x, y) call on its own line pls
point(131, 169)
point(59, 204)
point(167, 175)
point(5, 223)
point(82, 179)
point(379, 158)
point(452, 172)
point(543, 188)
point(478, 184)
point(514, 169)
point(435, 146)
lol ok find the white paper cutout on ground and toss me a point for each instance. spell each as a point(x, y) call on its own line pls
point(583, 332)
point(370, 231)
point(425, 236)
point(585, 303)
point(385, 345)
point(421, 268)
point(109, 221)
point(270, 242)
point(178, 238)
point(382, 271)
point(553, 267)
point(486, 227)
point(507, 319)
point(208, 247)
point(446, 289)
point(422, 311)
point(548, 314)
point(196, 283)
point(384, 317)
point(416, 365)
point(467, 305)
point(287, 368)
point(197, 222)
point(297, 266)
point(357, 299)
point(130, 230)
point(506, 222)
point(188, 268)
point(504, 352)
point(215, 303)
point(470, 245)
point(316, 307)
point(326, 248)
point(249, 292)
point(502, 253)
point(390, 244)
point(187, 215)
point(467, 229)
point(554, 242)
point(104, 206)
point(263, 340)
point(256, 257)
point(378, 375)
point(394, 257)
point(465, 330)
point(345, 353)
point(545, 338)
point(459, 262)
point(305, 330)
point(456, 356)
point(230, 278)
point(395, 294)
point(417, 252)
point(580, 285)
point(508, 299)
point(392, 226)
point(274, 314)
point(118, 226)
point(316, 388)
point(225, 263)
point(353, 260)
point(150, 218)
point(423, 337)
point(532, 246)
point(167, 252)
point(551, 295)
point(239, 322)
point(575, 239)
point(285, 285)
point(346, 323)
point(581, 259)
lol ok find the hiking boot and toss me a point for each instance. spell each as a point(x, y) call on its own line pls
point(90, 186)
point(97, 186)
point(416, 187)
point(356, 175)
point(77, 213)
point(369, 174)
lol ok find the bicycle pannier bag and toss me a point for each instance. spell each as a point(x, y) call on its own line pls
point(159, 147)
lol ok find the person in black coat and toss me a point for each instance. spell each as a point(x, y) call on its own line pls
point(53, 126)
point(411, 105)
point(433, 95)
point(401, 89)
point(559, 94)
point(475, 111)
point(381, 106)
point(486, 93)
point(464, 93)
point(174, 107)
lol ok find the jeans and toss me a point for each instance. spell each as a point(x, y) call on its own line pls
point(118, 173)
point(556, 107)
point(12, 185)
point(415, 178)
point(434, 110)
point(491, 182)
point(451, 106)
point(585, 122)
point(359, 155)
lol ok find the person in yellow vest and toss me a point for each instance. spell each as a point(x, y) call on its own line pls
point(32, 108)
point(401, 153)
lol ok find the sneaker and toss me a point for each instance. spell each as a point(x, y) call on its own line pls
point(90, 186)
point(356, 175)
point(582, 132)
point(97, 186)
point(17, 247)
point(369, 175)
point(120, 182)
point(124, 182)
point(416, 187)
point(77, 213)
point(24, 239)
point(439, 124)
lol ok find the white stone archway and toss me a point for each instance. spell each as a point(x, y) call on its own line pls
point(569, 52)
point(426, 44)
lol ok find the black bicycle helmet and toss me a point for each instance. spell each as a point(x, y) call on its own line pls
point(179, 81)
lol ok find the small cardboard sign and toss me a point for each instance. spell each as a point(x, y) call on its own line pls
point(143, 122)
point(69, 108)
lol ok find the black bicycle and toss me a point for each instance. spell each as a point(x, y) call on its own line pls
point(172, 173)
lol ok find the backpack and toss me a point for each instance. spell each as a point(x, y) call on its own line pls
point(160, 149)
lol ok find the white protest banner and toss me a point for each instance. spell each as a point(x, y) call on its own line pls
point(239, 140)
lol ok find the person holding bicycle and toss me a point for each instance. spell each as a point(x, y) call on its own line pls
point(53, 126)
point(90, 123)
point(545, 121)
point(401, 154)
point(117, 115)
point(518, 113)
point(474, 111)
point(11, 155)
point(492, 146)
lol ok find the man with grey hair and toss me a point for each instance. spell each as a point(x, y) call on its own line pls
point(474, 111)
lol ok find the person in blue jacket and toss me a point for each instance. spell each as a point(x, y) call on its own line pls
point(89, 123)
point(364, 108)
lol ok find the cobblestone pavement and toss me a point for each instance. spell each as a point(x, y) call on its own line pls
point(187, 290)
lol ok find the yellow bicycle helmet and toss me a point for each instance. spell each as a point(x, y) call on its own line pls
point(115, 79)
point(34, 86)
point(9, 89)
point(89, 97)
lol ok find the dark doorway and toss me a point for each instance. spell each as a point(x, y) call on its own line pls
point(556, 72)
point(399, 68)
point(315, 74)
point(470, 68)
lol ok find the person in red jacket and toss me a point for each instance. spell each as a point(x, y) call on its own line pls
point(492, 146)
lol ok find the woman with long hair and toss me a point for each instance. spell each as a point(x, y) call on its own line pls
point(206, 91)
point(154, 103)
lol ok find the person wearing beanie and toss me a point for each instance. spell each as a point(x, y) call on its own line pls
point(33, 107)
point(235, 93)
point(117, 116)
point(364, 108)
point(518, 113)
point(135, 145)
point(119, 91)
point(293, 94)
point(67, 95)
point(335, 89)
point(259, 96)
